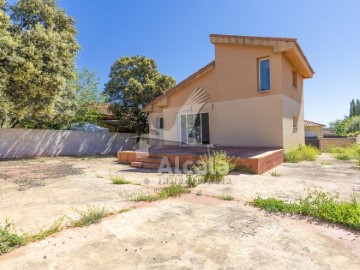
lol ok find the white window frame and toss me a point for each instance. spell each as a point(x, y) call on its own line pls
point(259, 74)
point(179, 126)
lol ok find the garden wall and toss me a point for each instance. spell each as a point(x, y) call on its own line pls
point(26, 143)
point(325, 143)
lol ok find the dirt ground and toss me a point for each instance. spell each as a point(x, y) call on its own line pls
point(191, 232)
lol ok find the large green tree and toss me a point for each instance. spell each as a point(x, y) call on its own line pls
point(79, 103)
point(134, 82)
point(45, 52)
point(7, 57)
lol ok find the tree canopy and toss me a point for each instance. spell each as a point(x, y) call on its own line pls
point(134, 82)
point(40, 61)
point(354, 108)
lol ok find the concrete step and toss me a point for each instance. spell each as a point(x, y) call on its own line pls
point(149, 160)
point(137, 164)
point(151, 166)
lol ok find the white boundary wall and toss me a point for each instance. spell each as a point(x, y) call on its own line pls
point(27, 143)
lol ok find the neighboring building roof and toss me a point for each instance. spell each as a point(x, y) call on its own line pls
point(185, 82)
point(289, 46)
point(312, 124)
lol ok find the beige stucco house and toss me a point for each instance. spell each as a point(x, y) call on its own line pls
point(250, 95)
point(313, 129)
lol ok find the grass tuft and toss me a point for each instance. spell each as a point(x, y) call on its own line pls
point(226, 198)
point(174, 190)
point(302, 153)
point(327, 163)
point(119, 180)
point(317, 204)
point(90, 216)
point(56, 227)
point(275, 174)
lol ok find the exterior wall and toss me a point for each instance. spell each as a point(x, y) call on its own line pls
point(239, 114)
point(27, 143)
point(313, 131)
point(292, 137)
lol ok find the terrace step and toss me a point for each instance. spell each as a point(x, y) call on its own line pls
point(137, 164)
point(149, 160)
point(151, 165)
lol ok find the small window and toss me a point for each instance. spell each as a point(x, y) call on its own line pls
point(294, 79)
point(295, 124)
point(264, 74)
point(160, 123)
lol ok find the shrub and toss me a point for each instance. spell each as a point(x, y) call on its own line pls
point(119, 181)
point(317, 204)
point(302, 153)
point(213, 168)
point(8, 239)
point(345, 153)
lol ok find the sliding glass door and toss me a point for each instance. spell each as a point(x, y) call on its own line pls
point(194, 129)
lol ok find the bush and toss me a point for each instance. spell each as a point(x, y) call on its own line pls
point(345, 153)
point(213, 168)
point(317, 204)
point(302, 153)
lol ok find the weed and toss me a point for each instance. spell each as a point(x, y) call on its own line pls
point(318, 204)
point(119, 180)
point(275, 174)
point(327, 163)
point(302, 153)
point(99, 176)
point(191, 181)
point(8, 239)
point(56, 227)
point(199, 193)
point(226, 197)
point(90, 216)
point(145, 198)
point(174, 190)
point(213, 168)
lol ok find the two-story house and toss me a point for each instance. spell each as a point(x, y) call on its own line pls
point(250, 95)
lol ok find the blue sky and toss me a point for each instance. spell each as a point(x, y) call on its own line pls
point(176, 34)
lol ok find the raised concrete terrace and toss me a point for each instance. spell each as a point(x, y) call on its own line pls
point(258, 159)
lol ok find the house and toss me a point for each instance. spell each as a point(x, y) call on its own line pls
point(313, 129)
point(250, 95)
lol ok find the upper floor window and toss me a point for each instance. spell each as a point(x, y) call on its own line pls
point(294, 79)
point(264, 74)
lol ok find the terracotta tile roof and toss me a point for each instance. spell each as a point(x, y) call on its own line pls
point(312, 124)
